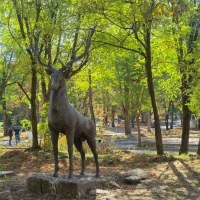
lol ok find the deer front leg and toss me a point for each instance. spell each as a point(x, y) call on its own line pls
point(70, 142)
point(54, 139)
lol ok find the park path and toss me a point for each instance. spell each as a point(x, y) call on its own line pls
point(4, 140)
point(116, 135)
point(171, 143)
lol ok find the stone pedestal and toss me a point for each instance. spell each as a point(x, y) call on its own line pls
point(46, 183)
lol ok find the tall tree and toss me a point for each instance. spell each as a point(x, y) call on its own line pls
point(90, 93)
point(6, 79)
point(130, 28)
point(186, 19)
point(129, 73)
point(59, 22)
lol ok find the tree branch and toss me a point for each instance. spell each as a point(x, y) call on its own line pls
point(122, 47)
point(21, 87)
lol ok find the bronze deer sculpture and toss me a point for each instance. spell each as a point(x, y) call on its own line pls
point(64, 118)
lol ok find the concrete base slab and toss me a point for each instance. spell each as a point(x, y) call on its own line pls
point(46, 183)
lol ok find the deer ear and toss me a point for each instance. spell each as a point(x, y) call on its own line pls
point(48, 71)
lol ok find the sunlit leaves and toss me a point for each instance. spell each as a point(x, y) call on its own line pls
point(120, 24)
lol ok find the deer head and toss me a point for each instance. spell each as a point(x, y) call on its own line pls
point(67, 68)
point(57, 79)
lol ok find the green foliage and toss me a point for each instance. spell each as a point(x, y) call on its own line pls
point(62, 143)
point(1, 151)
point(194, 100)
point(183, 156)
point(26, 124)
point(114, 67)
point(43, 129)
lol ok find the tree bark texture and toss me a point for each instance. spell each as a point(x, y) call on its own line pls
point(127, 111)
point(105, 110)
point(90, 98)
point(158, 136)
point(113, 116)
point(148, 121)
point(45, 92)
point(33, 107)
point(139, 133)
point(198, 150)
point(132, 121)
point(5, 118)
point(172, 115)
point(185, 118)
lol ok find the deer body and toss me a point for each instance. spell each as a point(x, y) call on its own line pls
point(64, 118)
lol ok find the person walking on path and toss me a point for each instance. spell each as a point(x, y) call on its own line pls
point(10, 134)
point(17, 135)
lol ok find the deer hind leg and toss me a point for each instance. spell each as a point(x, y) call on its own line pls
point(70, 142)
point(54, 139)
point(92, 144)
point(79, 146)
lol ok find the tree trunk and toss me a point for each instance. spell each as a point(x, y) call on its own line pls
point(45, 92)
point(105, 111)
point(90, 97)
point(126, 111)
point(139, 133)
point(127, 121)
point(186, 121)
point(24, 26)
point(132, 121)
point(84, 108)
point(167, 121)
point(158, 136)
point(113, 116)
point(33, 107)
point(105, 119)
point(198, 150)
point(5, 118)
point(172, 115)
point(187, 69)
point(148, 121)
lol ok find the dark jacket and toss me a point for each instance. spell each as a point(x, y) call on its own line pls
point(10, 131)
point(17, 131)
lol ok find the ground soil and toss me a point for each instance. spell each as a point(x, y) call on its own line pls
point(168, 177)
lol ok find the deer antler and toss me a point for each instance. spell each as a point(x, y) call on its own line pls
point(38, 52)
point(67, 68)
